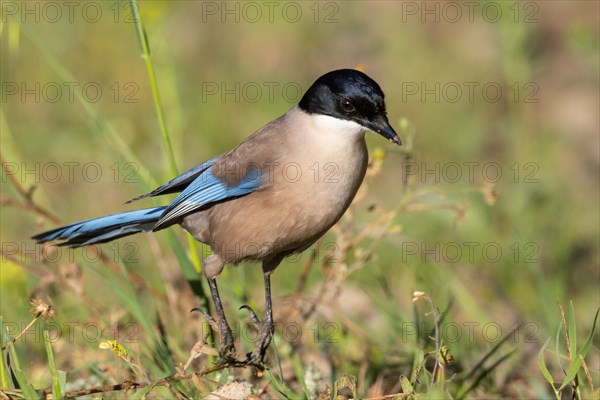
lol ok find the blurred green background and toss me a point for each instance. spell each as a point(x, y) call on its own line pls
point(491, 207)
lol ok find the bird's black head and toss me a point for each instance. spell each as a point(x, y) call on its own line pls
point(351, 95)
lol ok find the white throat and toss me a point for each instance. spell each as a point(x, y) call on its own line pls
point(325, 132)
point(334, 126)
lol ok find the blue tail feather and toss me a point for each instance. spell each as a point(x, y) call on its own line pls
point(103, 229)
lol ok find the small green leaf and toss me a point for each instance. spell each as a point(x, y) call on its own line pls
point(57, 393)
point(571, 374)
point(4, 381)
point(300, 374)
point(27, 388)
point(572, 334)
point(582, 352)
point(542, 363)
point(278, 385)
point(62, 380)
point(588, 341)
point(557, 351)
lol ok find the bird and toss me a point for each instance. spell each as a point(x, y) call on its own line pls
point(272, 196)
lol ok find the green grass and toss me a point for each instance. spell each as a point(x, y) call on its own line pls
point(347, 322)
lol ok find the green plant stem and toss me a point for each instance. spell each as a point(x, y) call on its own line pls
point(56, 390)
point(166, 138)
point(146, 55)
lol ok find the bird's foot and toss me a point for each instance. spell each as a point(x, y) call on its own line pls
point(265, 330)
point(227, 351)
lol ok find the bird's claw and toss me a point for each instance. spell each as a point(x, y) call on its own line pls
point(209, 319)
point(265, 330)
point(227, 357)
point(227, 351)
point(253, 317)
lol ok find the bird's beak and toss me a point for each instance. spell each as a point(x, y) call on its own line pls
point(382, 126)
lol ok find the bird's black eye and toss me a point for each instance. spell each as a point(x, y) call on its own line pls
point(347, 106)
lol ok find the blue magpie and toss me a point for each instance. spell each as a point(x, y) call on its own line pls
point(263, 201)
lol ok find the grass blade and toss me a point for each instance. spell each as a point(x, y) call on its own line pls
point(143, 41)
point(28, 390)
point(485, 373)
point(57, 390)
point(300, 374)
point(557, 350)
point(279, 387)
point(62, 380)
point(576, 364)
point(494, 349)
point(4, 380)
point(542, 363)
point(588, 341)
point(166, 138)
point(572, 334)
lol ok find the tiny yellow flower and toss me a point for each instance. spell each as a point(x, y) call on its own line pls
point(113, 346)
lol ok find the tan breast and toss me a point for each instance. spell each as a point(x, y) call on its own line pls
point(311, 180)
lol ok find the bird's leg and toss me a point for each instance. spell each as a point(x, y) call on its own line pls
point(265, 328)
point(227, 349)
point(268, 327)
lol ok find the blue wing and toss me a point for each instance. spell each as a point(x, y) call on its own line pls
point(179, 183)
point(200, 187)
point(204, 191)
